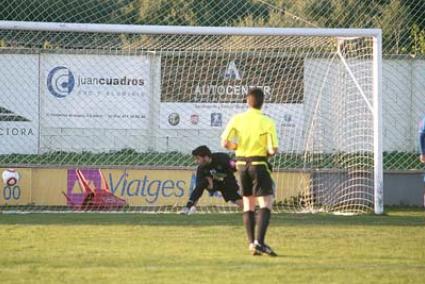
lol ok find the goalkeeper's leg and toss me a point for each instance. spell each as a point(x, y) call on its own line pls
point(229, 190)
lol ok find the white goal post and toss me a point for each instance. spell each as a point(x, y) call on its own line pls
point(328, 106)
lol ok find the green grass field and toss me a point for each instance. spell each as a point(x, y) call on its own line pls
point(133, 248)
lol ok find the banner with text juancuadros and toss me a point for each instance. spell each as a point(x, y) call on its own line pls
point(19, 95)
point(95, 91)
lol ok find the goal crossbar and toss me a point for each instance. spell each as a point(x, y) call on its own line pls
point(184, 30)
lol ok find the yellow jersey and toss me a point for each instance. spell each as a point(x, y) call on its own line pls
point(253, 132)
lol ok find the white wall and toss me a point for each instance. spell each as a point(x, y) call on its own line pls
point(321, 124)
point(403, 106)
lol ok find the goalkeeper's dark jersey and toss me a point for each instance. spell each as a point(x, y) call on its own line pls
point(221, 168)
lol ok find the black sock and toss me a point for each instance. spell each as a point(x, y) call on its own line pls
point(263, 218)
point(189, 204)
point(249, 221)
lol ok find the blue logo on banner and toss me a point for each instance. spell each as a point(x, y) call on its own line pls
point(60, 81)
point(216, 119)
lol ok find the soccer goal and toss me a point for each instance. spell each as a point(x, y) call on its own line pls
point(104, 117)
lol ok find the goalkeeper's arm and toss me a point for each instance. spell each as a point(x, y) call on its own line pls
point(201, 185)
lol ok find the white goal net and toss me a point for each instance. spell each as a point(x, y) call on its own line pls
point(104, 117)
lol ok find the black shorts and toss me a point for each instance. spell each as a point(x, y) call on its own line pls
point(256, 180)
point(229, 189)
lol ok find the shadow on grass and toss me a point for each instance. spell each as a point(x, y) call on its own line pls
point(393, 217)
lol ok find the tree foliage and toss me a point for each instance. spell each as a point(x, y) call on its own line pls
point(402, 21)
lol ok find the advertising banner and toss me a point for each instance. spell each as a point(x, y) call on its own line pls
point(19, 103)
point(61, 187)
point(19, 193)
point(95, 91)
point(216, 115)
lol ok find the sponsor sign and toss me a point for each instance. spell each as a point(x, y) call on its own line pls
point(19, 98)
point(289, 117)
point(95, 91)
point(46, 187)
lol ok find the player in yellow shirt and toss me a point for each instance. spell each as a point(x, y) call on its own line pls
point(253, 137)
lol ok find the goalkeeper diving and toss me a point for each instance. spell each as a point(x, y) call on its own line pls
point(215, 172)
